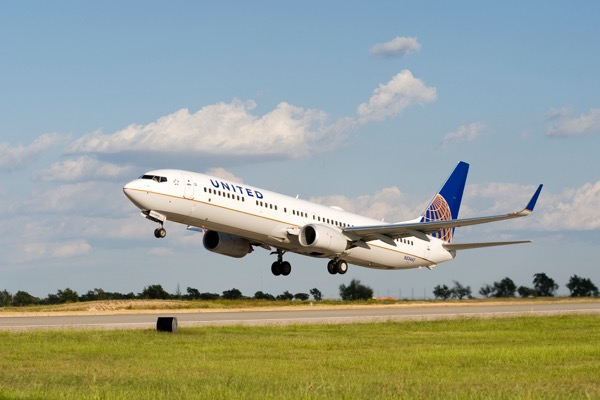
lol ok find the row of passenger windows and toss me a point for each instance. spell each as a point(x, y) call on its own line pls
point(225, 194)
point(294, 212)
point(274, 207)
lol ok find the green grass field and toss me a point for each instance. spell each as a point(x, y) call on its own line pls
point(521, 357)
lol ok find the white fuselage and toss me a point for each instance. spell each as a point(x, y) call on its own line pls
point(270, 219)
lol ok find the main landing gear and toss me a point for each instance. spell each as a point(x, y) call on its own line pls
point(281, 267)
point(337, 266)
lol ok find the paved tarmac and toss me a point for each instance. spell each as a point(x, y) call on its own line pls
point(318, 314)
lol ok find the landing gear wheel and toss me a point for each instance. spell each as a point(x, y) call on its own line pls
point(160, 233)
point(332, 268)
point(286, 268)
point(342, 267)
point(276, 268)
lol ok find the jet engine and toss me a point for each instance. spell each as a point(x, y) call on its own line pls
point(226, 244)
point(322, 240)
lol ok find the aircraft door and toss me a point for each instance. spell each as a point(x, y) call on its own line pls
point(188, 187)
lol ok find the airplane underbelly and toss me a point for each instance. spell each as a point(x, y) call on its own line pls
point(380, 257)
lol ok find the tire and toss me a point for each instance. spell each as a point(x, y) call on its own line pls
point(276, 268)
point(342, 267)
point(286, 268)
point(331, 267)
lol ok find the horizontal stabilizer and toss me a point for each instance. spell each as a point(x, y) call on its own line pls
point(466, 246)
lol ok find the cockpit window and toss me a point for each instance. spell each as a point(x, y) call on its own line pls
point(155, 178)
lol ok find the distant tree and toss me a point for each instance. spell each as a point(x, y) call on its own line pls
point(6, 298)
point(51, 299)
point(192, 293)
point(285, 296)
point(302, 296)
point(263, 296)
point(22, 298)
point(544, 285)
point(505, 288)
point(67, 296)
point(459, 291)
point(209, 296)
point(316, 294)
point(233, 294)
point(526, 292)
point(154, 292)
point(581, 287)
point(96, 294)
point(442, 292)
point(355, 291)
point(487, 291)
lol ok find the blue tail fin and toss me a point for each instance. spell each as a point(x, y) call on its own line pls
point(446, 204)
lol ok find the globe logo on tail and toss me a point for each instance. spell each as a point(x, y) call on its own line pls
point(439, 210)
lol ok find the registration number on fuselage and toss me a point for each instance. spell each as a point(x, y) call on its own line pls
point(409, 258)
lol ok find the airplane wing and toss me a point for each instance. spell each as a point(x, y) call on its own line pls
point(387, 233)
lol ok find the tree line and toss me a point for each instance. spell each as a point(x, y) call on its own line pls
point(543, 286)
point(354, 291)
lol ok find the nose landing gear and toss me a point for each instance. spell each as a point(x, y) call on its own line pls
point(160, 233)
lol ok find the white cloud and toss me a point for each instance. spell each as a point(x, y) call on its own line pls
point(562, 112)
point(224, 174)
point(15, 157)
point(393, 97)
point(219, 129)
point(585, 124)
point(464, 133)
point(388, 203)
point(573, 209)
point(397, 47)
point(84, 168)
point(90, 198)
point(45, 250)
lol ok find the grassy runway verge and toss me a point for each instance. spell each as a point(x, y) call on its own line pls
point(467, 358)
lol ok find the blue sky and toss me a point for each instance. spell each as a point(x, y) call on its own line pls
point(364, 106)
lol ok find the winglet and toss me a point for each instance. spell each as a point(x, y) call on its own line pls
point(530, 206)
point(533, 200)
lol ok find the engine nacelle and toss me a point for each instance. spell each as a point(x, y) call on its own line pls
point(226, 244)
point(321, 239)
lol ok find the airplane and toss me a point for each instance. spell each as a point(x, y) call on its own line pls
point(236, 218)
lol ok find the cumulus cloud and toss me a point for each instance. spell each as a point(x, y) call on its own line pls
point(90, 198)
point(233, 130)
point(393, 97)
point(224, 174)
point(573, 209)
point(389, 204)
point(46, 250)
point(16, 157)
point(397, 47)
point(464, 133)
point(219, 129)
point(84, 168)
point(567, 126)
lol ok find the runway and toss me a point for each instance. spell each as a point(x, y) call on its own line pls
point(307, 315)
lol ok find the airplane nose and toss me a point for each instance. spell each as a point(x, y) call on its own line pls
point(127, 189)
point(132, 191)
